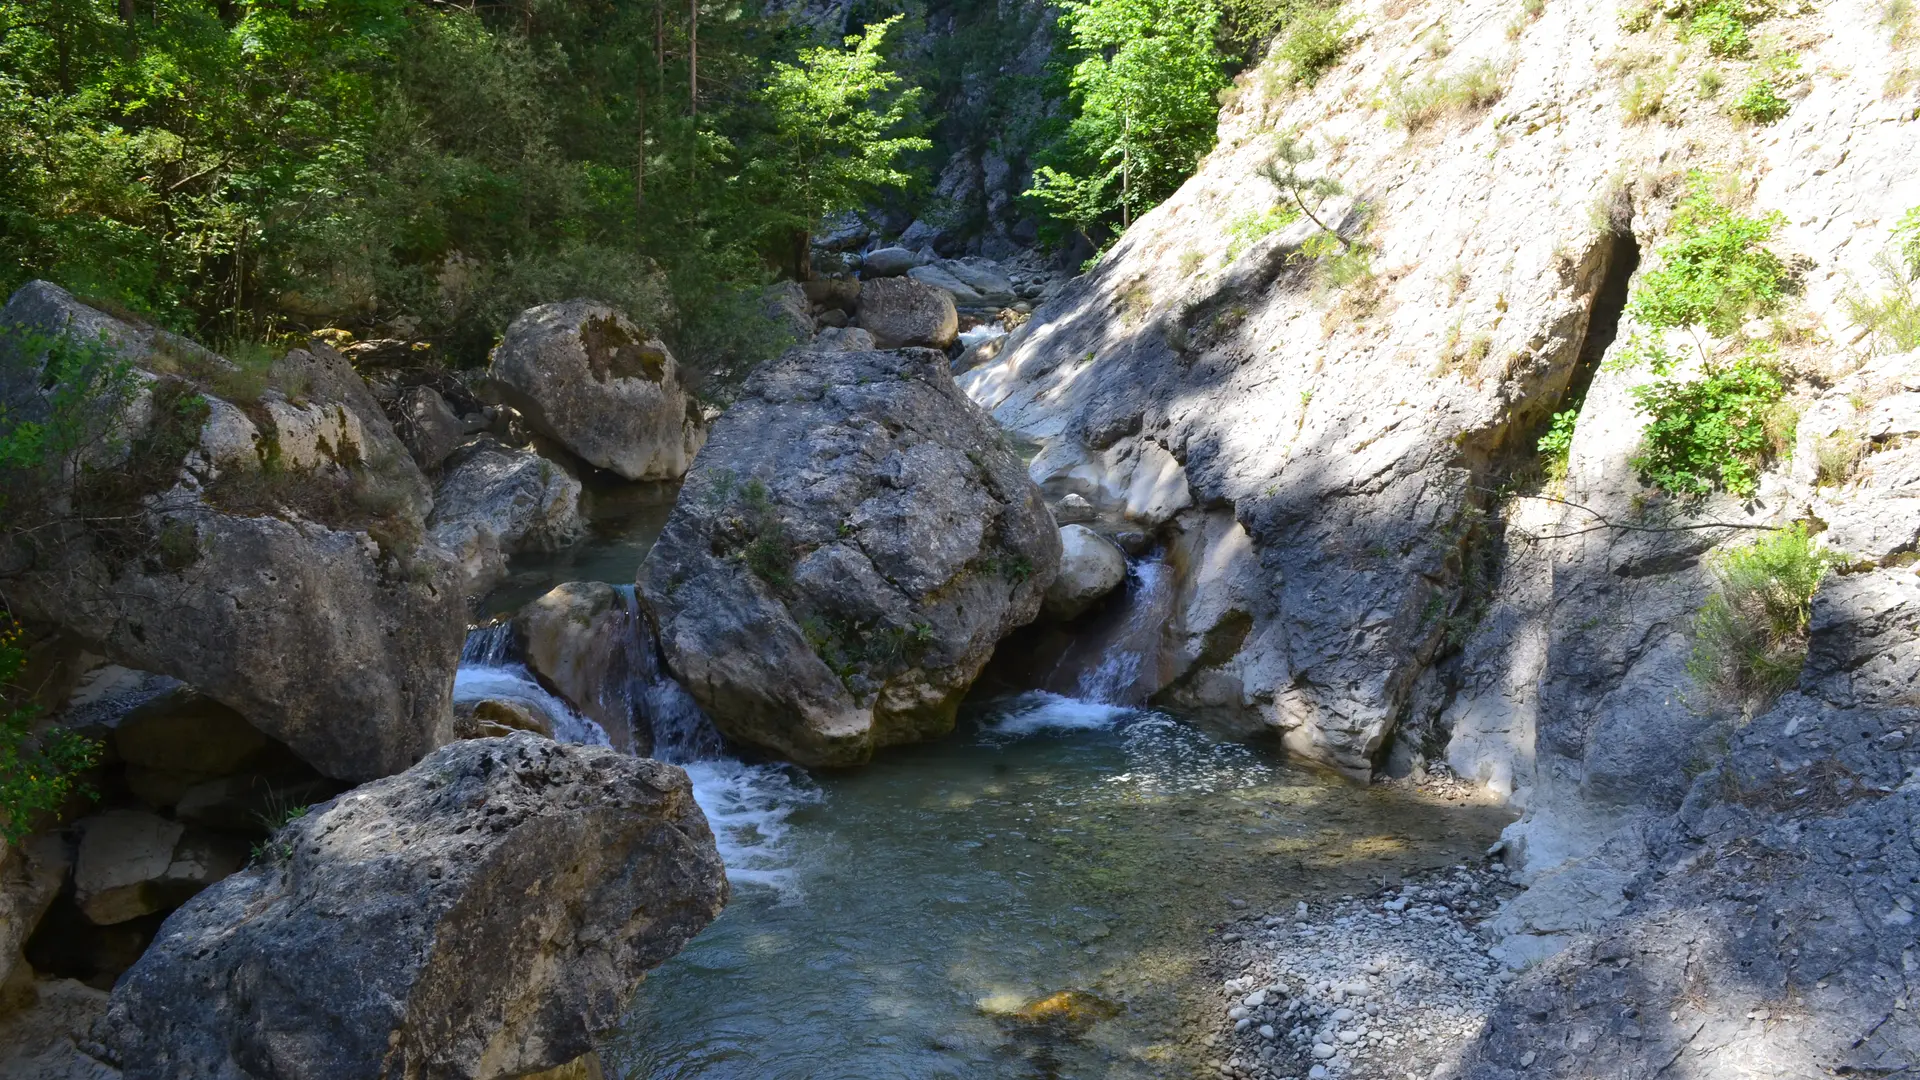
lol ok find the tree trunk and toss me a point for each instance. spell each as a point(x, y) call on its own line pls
point(640, 143)
point(693, 57)
point(126, 12)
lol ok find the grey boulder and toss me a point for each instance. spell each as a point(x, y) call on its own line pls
point(271, 555)
point(584, 375)
point(485, 914)
point(889, 262)
point(496, 500)
point(846, 553)
point(901, 312)
point(1090, 568)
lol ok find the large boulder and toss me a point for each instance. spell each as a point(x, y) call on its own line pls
point(853, 542)
point(496, 500)
point(1091, 566)
point(581, 641)
point(485, 914)
point(264, 544)
point(889, 262)
point(584, 375)
point(901, 311)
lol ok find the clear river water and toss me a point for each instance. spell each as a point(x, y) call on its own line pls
point(891, 921)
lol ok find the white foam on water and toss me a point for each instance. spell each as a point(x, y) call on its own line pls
point(1039, 711)
point(747, 806)
point(513, 682)
point(984, 332)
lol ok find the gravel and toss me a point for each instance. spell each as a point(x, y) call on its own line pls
point(1381, 987)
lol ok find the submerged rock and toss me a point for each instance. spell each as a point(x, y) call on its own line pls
point(584, 375)
point(842, 560)
point(1069, 1012)
point(268, 550)
point(485, 914)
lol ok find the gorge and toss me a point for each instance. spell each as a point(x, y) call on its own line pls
point(1434, 595)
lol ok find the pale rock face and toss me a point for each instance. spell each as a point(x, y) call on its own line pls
point(485, 914)
point(584, 375)
point(842, 339)
point(303, 599)
point(889, 262)
point(1090, 568)
point(845, 555)
point(133, 863)
point(1356, 433)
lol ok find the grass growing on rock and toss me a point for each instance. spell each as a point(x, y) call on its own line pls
point(1893, 315)
point(1413, 106)
point(1750, 639)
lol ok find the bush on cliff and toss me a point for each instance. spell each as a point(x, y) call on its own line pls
point(1751, 637)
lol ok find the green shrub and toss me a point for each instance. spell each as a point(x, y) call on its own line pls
point(1314, 44)
point(1760, 103)
point(1249, 229)
point(1893, 315)
point(1750, 638)
point(1556, 446)
point(37, 772)
point(1715, 271)
point(1724, 29)
point(1711, 432)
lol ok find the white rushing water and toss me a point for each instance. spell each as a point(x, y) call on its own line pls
point(747, 805)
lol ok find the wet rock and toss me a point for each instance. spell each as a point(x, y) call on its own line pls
point(584, 375)
point(303, 596)
point(486, 914)
point(1090, 568)
point(1069, 1012)
point(579, 639)
point(487, 718)
point(845, 556)
point(901, 312)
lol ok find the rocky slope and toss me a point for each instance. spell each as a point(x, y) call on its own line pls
point(1339, 452)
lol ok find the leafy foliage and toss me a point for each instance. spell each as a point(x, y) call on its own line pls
point(838, 124)
point(1750, 638)
point(1283, 170)
point(1556, 446)
point(229, 166)
point(1708, 432)
point(1893, 315)
point(1145, 87)
point(1248, 230)
point(37, 772)
point(1715, 272)
point(1315, 43)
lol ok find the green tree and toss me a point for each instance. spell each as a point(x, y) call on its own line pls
point(1146, 88)
point(838, 123)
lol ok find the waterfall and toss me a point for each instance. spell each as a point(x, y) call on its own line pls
point(488, 646)
point(1128, 668)
point(488, 670)
point(682, 733)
